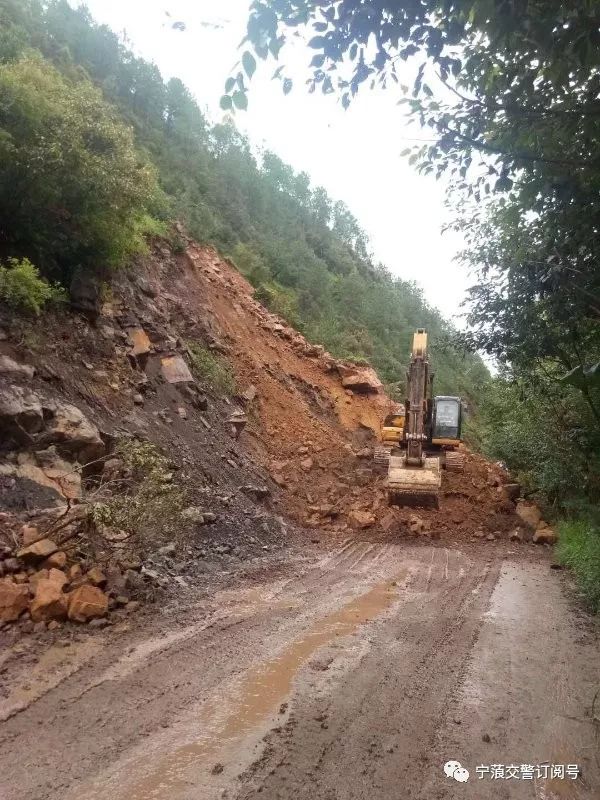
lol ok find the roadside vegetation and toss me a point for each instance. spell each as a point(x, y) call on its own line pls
point(210, 368)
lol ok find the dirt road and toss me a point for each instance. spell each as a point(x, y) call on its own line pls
point(349, 674)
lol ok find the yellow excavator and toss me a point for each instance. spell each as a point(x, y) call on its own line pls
point(421, 437)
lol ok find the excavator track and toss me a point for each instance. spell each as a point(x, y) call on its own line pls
point(381, 456)
point(455, 462)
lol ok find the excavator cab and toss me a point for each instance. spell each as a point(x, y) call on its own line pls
point(447, 420)
point(446, 423)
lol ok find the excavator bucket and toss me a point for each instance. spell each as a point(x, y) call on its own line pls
point(409, 485)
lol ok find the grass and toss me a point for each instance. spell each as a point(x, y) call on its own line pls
point(209, 368)
point(579, 548)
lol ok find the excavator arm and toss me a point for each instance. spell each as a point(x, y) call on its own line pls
point(413, 477)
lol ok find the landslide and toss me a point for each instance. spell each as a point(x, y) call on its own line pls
point(127, 370)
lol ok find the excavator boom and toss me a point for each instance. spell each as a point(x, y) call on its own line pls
point(413, 477)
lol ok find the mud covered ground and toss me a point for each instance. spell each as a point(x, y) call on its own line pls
point(344, 673)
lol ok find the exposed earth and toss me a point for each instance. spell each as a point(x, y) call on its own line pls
point(289, 635)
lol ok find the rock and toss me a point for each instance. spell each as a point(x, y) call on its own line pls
point(54, 625)
point(389, 521)
point(258, 492)
point(57, 560)
point(303, 451)
point(133, 606)
point(39, 627)
point(545, 536)
point(86, 294)
point(279, 480)
point(193, 514)
point(249, 394)
point(72, 432)
point(87, 602)
point(168, 549)
point(490, 537)
point(361, 519)
point(361, 379)
point(20, 415)
point(529, 513)
point(29, 533)
point(57, 576)
point(50, 602)
point(140, 346)
point(417, 526)
point(98, 622)
point(95, 576)
point(365, 452)
point(175, 370)
point(307, 464)
point(209, 517)
point(512, 491)
point(516, 535)
point(11, 565)
point(42, 574)
point(37, 552)
point(138, 399)
point(75, 573)
point(14, 599)
point(12, 368)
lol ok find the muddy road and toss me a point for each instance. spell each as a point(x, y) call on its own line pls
point(344, 675)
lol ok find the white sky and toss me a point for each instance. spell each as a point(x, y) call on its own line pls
point(354, 154)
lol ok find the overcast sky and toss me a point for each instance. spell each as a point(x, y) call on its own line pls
point(354, 154)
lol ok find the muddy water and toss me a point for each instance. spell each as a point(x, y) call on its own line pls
point(260, 694)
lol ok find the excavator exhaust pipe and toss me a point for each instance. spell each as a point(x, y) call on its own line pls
point(418, 486)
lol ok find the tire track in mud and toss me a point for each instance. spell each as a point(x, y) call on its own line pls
point(381, 721)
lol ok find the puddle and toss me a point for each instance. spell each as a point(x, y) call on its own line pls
point(259, 696)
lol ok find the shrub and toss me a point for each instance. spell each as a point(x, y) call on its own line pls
point(579, 548)
point(148, 502)
point(209, 368)
point(22, 288)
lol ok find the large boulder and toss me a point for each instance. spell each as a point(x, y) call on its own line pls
point(21, 415)
point(361, 379)
point(361, 519)
point(87, 602)
point(545, 535)
point(50, 602)
point(86, 294)
point(175, 370)
point(529, 513)
point(71, 431)
point(14, 599)
point(37, 552)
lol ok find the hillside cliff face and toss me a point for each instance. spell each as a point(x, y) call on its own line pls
point(185, 424)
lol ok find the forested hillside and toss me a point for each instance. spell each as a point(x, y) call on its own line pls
point(98, 152)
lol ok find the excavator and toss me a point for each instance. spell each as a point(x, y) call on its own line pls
point(421, 436)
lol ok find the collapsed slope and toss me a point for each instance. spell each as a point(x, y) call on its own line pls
point(127, 370)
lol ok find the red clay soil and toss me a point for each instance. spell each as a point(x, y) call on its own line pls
point(314, 436)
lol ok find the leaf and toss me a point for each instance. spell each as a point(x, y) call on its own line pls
point(229, 84)
point(287, 85)
point(318, 60)
point(225, 102)
point(240, 100)
point(249, 63)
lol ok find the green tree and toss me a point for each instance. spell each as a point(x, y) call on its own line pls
point(73, 188)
